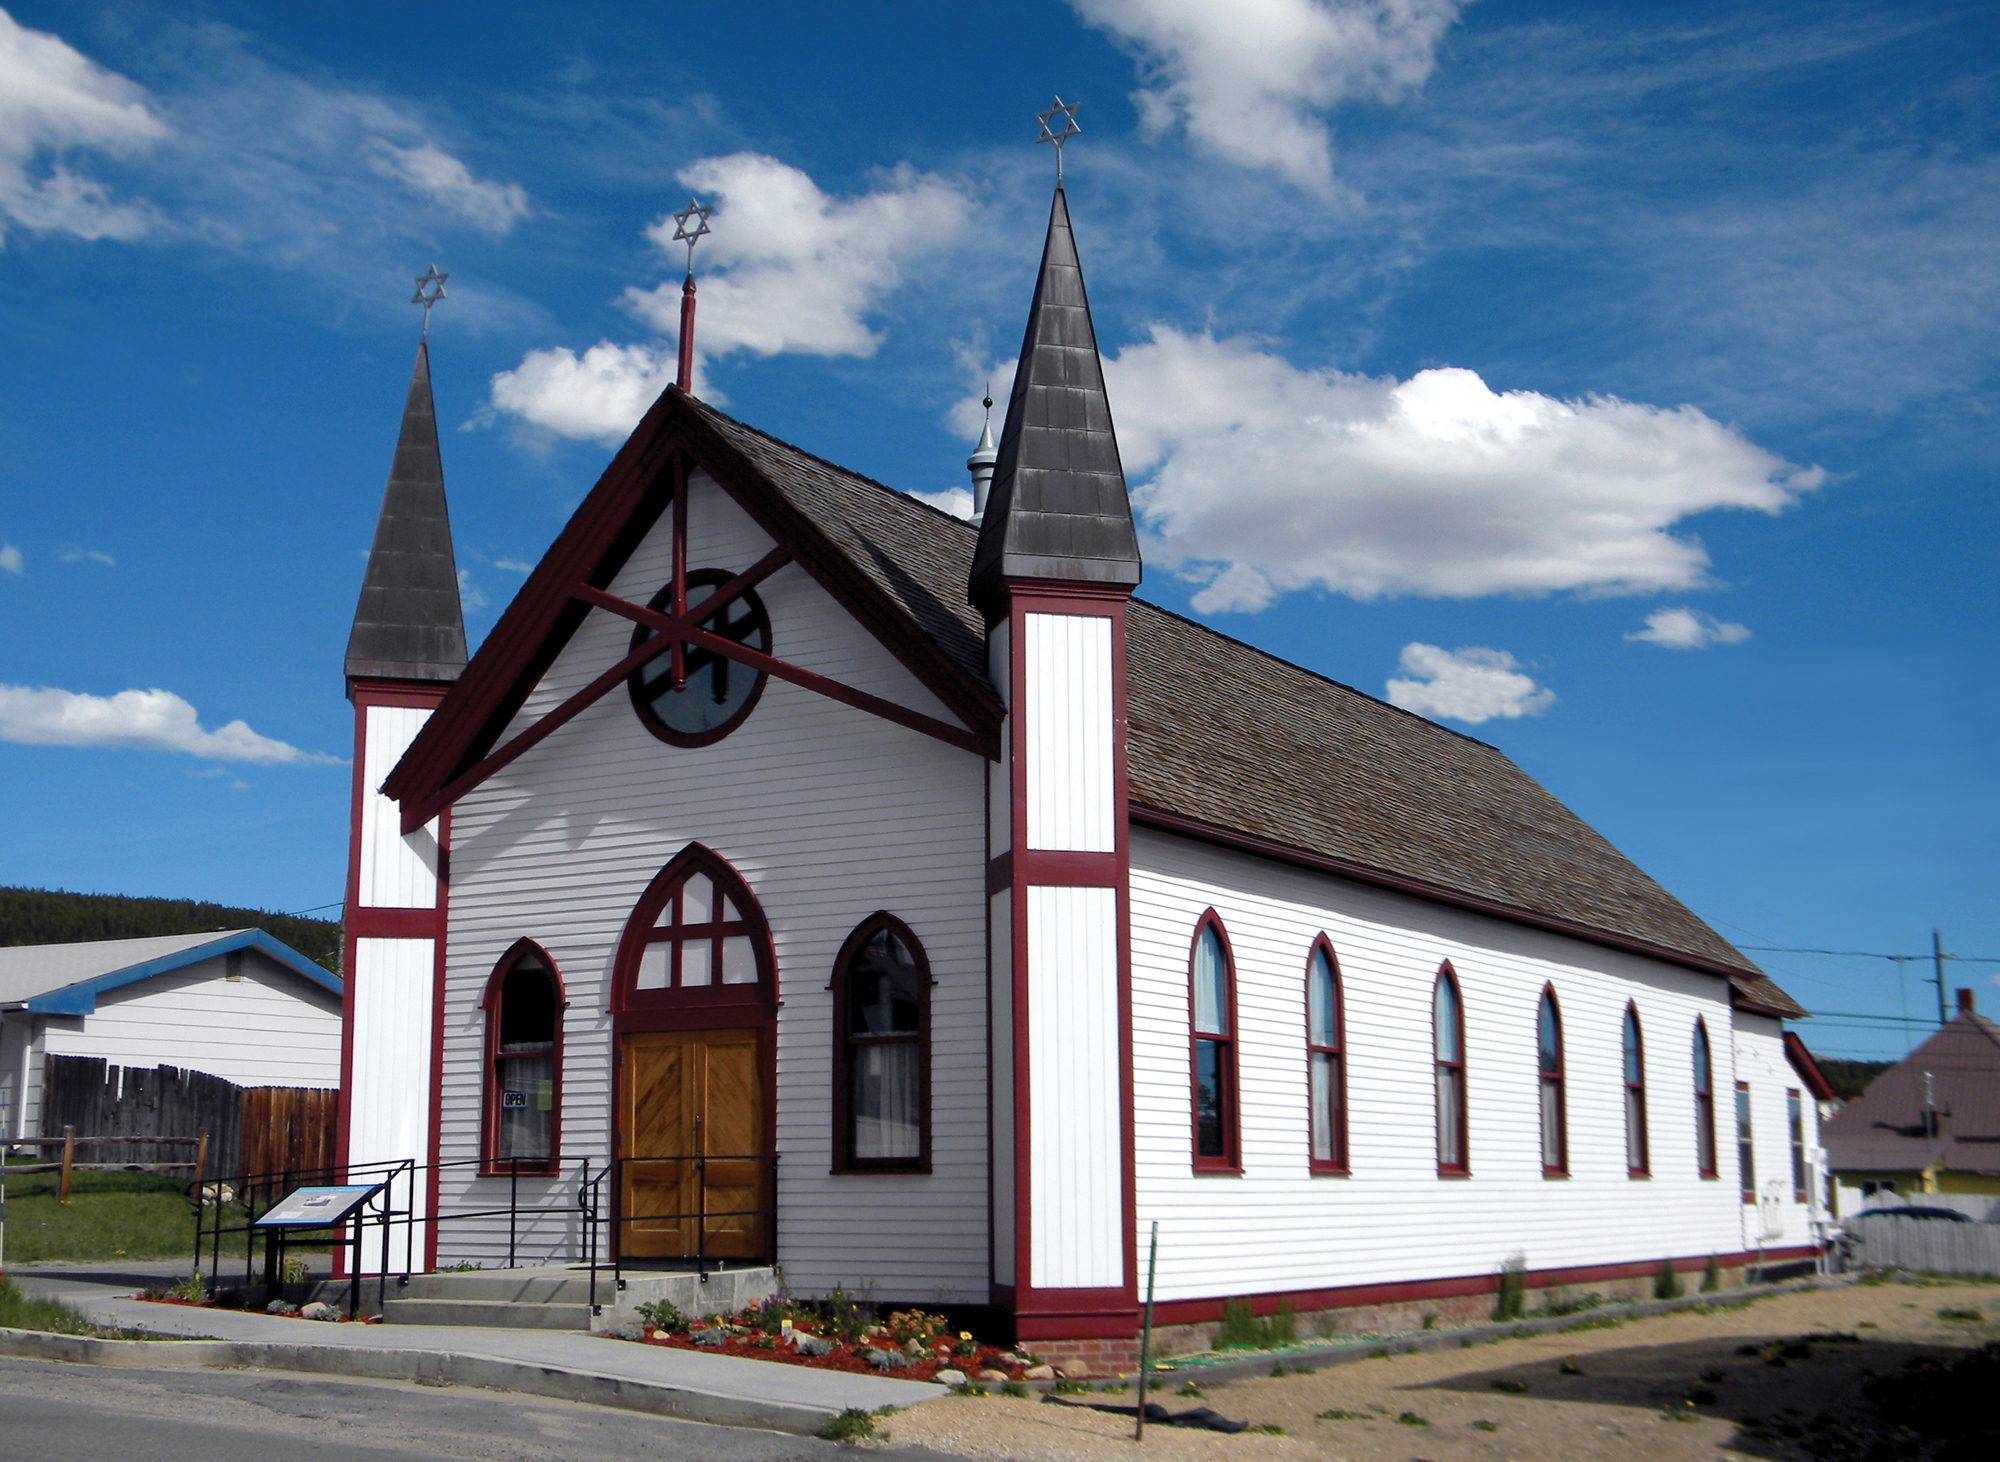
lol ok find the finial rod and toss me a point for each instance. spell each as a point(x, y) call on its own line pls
point(430, 289)
point(694, 214)
point(1068, 129)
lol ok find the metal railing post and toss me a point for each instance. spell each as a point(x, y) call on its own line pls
point(513, 1203)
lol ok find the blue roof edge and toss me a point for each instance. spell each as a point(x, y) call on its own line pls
point(81, 998)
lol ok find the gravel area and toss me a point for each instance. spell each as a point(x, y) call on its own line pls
point(1619, 1393)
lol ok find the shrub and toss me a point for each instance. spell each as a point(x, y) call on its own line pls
point(1711, 1277)
point(1666, 1283)
point(1511, 1302)
point(908, 1325)
point(664, 1316)
point(1243, 1331)
point(193, 1289)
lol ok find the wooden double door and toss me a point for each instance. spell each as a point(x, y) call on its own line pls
point(696, 1180)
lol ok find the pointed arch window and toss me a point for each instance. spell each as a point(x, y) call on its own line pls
point(696, 938)
point(1551, 1077)
point(1212, 1048)
point(1637, 1164)
point(1704, 1103)
point(881, 1097)
point(1448, 1055)
point(1326, 1069)
point(524, 1003)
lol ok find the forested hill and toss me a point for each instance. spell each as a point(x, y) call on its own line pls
point(51, 916)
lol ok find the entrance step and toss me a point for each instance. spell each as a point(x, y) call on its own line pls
point(514, 1315)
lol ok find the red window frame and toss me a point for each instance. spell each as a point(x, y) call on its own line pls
point(1632, 1066)
point(1704, 1102)
point(491, 1164)
point(844, 1045)
point(1230, 1160)
point(1452, 1071)
point(689, 1007)
point(1795, 1128)
point(1554, 1080)
point(1746, 1144)
point(1337, 1165)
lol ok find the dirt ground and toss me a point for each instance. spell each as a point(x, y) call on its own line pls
point(1623, 1394)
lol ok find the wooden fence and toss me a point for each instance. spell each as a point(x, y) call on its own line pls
point(250, 1129)
point(1928, 1245)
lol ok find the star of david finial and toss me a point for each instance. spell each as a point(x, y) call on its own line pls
point(1050, 133)
point(698, 215)
point(430, 289)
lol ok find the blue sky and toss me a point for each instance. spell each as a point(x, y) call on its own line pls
point(1613, 383)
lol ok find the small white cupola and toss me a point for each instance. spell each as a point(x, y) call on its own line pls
point(980, 463)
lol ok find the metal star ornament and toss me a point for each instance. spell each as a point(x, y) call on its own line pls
point(698, 215)
point(1058, 133)
point(430, 289)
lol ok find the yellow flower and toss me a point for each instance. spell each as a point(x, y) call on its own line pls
point(965, 1335)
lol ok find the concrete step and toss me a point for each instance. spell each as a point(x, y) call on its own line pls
point(512, 1314)
point(539, 1286)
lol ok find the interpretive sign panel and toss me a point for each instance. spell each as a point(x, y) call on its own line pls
point(315, 1207)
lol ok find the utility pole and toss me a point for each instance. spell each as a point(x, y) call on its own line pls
point(1937, 966)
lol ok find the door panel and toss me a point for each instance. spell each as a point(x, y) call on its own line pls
point(692, 1132)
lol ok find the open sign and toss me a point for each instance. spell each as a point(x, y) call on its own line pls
point(514, 1099)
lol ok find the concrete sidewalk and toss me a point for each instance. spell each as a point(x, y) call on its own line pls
point(720, 1389)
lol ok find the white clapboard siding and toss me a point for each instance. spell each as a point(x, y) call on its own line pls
point(829, 814)
point(269, 1028)
point(1277, 1227)
point(1000, 774)
point(397, 871)
point(389, 1100)
point(1075, 1124)
point(22, 1041)
point(1066, 677)
point(1000, 1011)
point(1777, 1219)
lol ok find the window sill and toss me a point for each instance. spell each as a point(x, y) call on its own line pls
point(1331, 1170)
point(1444, 1172)
point(1217, 1168)
point(882, 1170)
point(1639, 1175)
point(539, 1168)
point(1556, 1173)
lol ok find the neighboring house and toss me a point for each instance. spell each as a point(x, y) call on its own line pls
point(965, 915)
point(235, 1003)
point(1927, 1130)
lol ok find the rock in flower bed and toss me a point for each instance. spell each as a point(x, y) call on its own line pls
point(837, 1335)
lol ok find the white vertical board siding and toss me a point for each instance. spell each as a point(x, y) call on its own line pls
point(1000, 1064)
point(829, 814)
point(1066, 676)
point(1276, 1226)
point(17, 1039)
point(1775, 1218)
point(389, 1103)
point(269, 1028)
point(1000, 774)
point(397, 872)
point(1075, 1130)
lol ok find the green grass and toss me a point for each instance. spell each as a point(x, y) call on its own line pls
point(109, 1216)
point(19, 1312)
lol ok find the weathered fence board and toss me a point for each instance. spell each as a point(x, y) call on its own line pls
point(1932, 1245)
point(250, 1129)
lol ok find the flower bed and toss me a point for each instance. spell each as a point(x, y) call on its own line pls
point(910, 1345)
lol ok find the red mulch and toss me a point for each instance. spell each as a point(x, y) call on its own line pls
point(843, 1357)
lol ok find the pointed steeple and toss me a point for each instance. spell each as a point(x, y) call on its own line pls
point(408, 625)
point(1058, 509)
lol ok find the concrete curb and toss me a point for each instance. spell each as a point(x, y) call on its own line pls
point(662, 1398)
point(1259, 1363)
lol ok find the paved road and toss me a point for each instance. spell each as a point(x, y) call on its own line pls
point(51, 1411)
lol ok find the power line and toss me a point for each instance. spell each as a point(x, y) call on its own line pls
point(301, 913)
point(1967, 959)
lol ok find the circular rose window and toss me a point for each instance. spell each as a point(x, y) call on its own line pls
point(717, 693)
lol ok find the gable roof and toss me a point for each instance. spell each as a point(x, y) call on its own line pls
point(1226, 741)
point(408, 624)
point(1883, 1129)
point(66, 979)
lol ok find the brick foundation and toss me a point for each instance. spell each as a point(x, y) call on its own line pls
point(1087, 1357)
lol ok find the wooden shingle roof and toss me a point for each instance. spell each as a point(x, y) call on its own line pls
point(1228, 741)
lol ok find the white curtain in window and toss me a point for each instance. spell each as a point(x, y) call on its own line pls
point(885, 1101)
point(1211, 997)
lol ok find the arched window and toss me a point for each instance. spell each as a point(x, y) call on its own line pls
point(1448, 1046)
point(1704, 1103)
point(1549, 1067)
point(524, 1004)
point(696, 938)
point(1212, 1041)
point(881, 1003)
point(1326, 1073)
point(1636, 1164)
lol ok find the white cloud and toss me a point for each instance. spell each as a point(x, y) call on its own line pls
point(1247, 80)
point(10, 558)
point(470, 595)
point(1472, 684)
point(432, 173)
point(55, 101)
point(514, 565)
point(154, 720)
point(1259, 478)
point(788, 268)
point(1688, 629)
point(73, 554)
point(954, 500)
point(599, 396)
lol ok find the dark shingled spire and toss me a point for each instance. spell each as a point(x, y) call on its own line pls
point(1058, 509)
point(408, 625)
